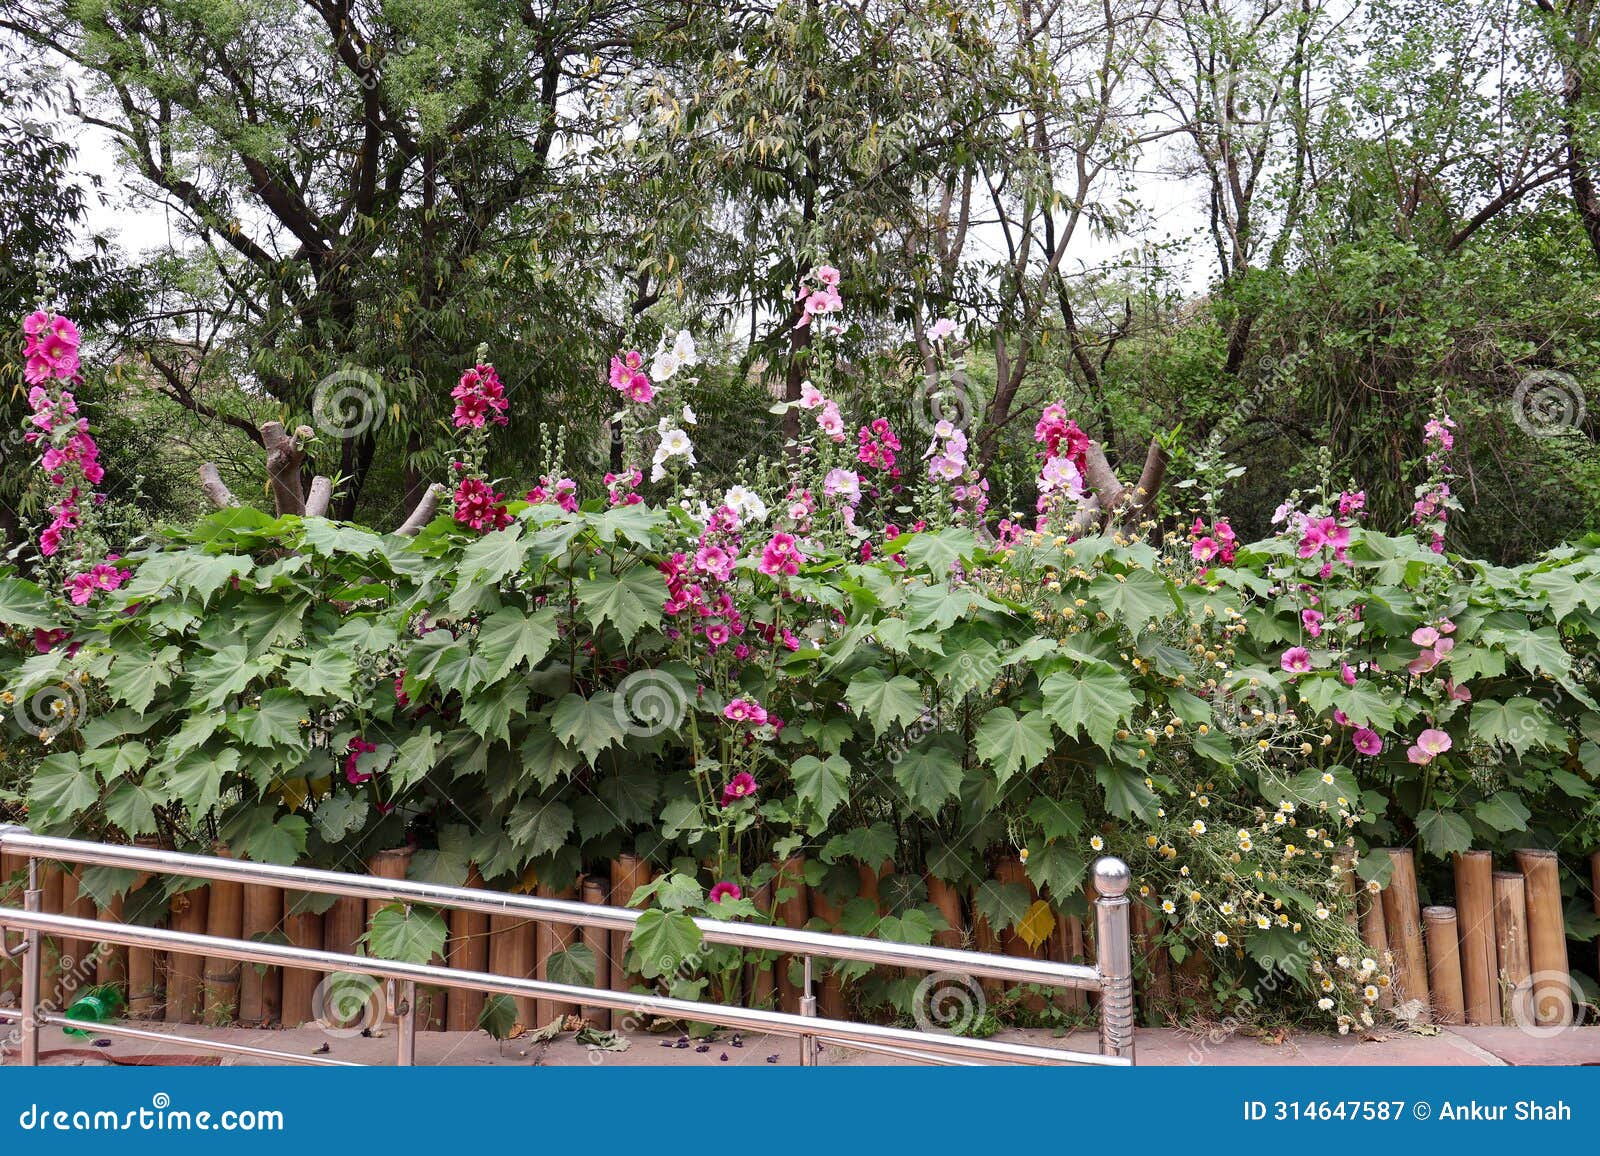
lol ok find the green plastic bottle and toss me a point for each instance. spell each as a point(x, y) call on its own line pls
point(97, 1005)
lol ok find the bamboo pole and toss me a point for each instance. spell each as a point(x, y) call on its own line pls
point(948, 900)
point(628, 874)
point(1369, 912)
point(468, 950)
point(759, 981)
point(549, 938)
point(146, 968)
point(1011, 870)
point(1511, 941)
point(1150, 965)
point(829, 988)
point(342, 928)
point(11, 867)
point(303, 929)
point(511, 954)
point(261, 989)
point(111, 960)
point(224, 920)
point(185, 990)
point(78, 956)
point(793, 899)
point(1444, 964)
point(1066, 946)
point(598, 941)
point(1547, 937)
point(389, 864)
point(1403, 929)
point(1474, 871)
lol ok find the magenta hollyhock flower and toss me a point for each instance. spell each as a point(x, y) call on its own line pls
point(1312, 621)
point(781, 555)
point(1429, 745)
point(741, 786)
point(639, 389)
point(1366, 741)
point(1296, 660)
point(478, 506)
point(745, 710)
point(725, 890)
point(1347, 674)
point(479, 397)
point(352, 763)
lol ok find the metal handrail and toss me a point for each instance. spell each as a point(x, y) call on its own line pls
point(1111, 976)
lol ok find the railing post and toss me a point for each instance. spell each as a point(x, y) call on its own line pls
point(1114, 957)
point(32, 973)
point(405, 1014)
point(808, 1008)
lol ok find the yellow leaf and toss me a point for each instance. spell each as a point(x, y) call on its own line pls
point(1037, 925)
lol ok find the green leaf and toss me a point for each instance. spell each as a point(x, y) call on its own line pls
point(930, 773)
point(196, 781)
point(575, 966)
point(630, 601)
point(1519, 723)
point(1011, 742)
point(493, 557)
point(61, 788)
point(327, 672)
point(136, 675)
point(411, 935)
point(509, 638)
point(538, 827)
point(1135, 598)
point(260, 834)
point(937, 551)
point(1126, 794)
point(884, 700)
point(1504, 812)
point(227, 673)
point(23, 604)
point(662, 940)
point(1444, 833)
point(1540, 651)
point(822, 784)
point(499, 1016)
point(275, 722)
point(1093, 697)
point(587, 725)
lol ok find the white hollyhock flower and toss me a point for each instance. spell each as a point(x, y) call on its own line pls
point(683, 349)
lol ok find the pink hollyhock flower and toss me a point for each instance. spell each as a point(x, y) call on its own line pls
point(44, 641)
point(741, 786)
point(478, 506)
point(781, 556)
point(810, 396)
point(843, 483)
point(1351, 504)
point(745, 710)
point(1424, 636)
point(352, 763)
point(827, 275)
point(1366, 741)
point(718, 634)
point(1312, 621)
point(831, 422)
point(479, 397)
point(941, 329)
point(1347, 674)
point(1430, 744)
point(725, 890)
point(1296, 660)
point(714, 560)
point(1458, 693)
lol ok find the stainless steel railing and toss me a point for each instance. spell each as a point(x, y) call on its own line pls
point(1111, 976)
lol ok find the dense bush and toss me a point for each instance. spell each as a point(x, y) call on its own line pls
point(836, 661)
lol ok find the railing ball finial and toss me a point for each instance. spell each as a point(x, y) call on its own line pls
point(1111, 876)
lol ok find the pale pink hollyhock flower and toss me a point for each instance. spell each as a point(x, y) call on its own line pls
point(1424, 636)
point(1430, 744)
point(828, 275)
point(1296, 660)
point(941, 329)
point(810, 396)
point(1458, 693)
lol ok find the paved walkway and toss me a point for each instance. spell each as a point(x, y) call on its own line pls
point(1454, 1047)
